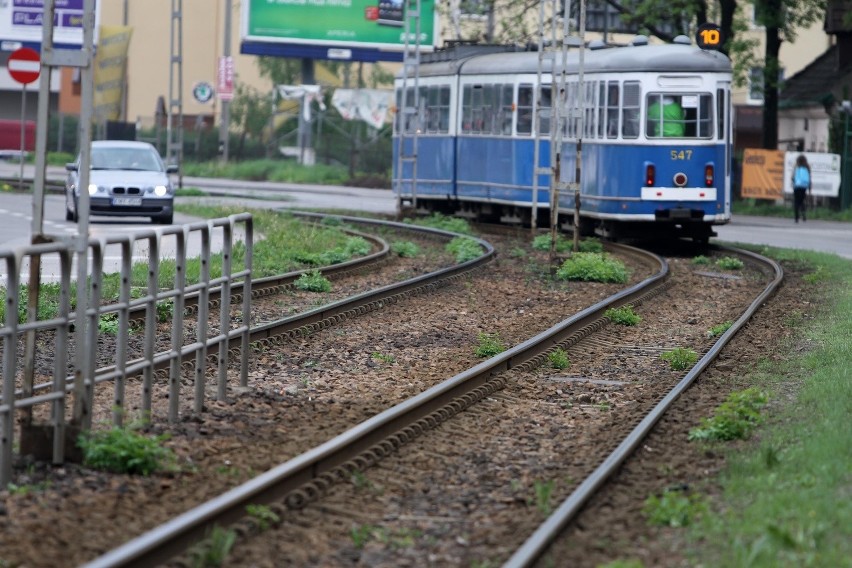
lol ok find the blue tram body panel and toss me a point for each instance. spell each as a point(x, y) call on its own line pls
point(436, 165)
point(497, 169)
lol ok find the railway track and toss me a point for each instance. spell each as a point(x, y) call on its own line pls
point(304, 479)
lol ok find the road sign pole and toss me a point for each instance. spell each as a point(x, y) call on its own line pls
point(23, 130)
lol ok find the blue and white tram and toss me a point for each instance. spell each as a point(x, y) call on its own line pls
point(655, 138)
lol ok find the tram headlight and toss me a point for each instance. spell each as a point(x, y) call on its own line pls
point(709, 175)
point(650, 174)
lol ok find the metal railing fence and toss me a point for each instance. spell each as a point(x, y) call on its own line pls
point(49, 386)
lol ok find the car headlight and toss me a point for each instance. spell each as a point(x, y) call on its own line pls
point(160, 190)
point(93, 189)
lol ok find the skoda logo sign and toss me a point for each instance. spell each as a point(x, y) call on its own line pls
point(202, 92)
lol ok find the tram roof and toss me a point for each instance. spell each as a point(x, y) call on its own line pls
point(645, 58)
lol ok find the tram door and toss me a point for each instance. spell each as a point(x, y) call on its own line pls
point(725, 135)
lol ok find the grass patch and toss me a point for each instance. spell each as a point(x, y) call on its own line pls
point(729, 263)
point(734, 419)
point(269, 170)
point(123, 450)
point(786, 494)
point(623, 315)
point(700, 260)
point(405, 249)
point(313, 281)
point(764, 208)
point(490, 345)
point(593, 267)
point(719, 329)
point(674, 509)
point(438, 221)
point(464, 249)
point(559, 359)
point(680, 358)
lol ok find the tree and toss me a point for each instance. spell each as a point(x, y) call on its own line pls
point(781, 20)
point(250, 111)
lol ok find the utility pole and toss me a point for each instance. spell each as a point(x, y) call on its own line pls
point(225, 119)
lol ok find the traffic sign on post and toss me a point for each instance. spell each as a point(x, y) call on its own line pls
point(24, 65)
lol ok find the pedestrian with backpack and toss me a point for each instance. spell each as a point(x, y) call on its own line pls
point(801, 186)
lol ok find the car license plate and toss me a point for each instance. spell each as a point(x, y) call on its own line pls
point(127, 201)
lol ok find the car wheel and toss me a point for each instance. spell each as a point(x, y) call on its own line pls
point(163, 219)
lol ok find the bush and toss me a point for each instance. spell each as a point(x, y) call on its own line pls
point(313, 281)
point(593, 267)
point(122, 450)
point(734, 419)
point(623, 315)
point(405, 249)
point(680, 358)
point(464, 249)
point(490, 345)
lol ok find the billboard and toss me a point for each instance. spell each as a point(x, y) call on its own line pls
point(825, 172)
point(332, 29)
point(21, 23)
point(763, 174)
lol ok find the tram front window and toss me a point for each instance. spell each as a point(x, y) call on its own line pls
point(672, 115)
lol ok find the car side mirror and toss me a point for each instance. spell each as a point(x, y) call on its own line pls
point(71, 167)
point(172, 169)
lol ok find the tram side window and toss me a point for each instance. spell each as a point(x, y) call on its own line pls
point(408, 120)
point(720, 113)
point(630, 109)
point(472, 119)
point(504, 111)
point(546, 110)
point(489, 109)
point(572, 121)
point(601, 106)
point(589, 109)
point(437, 108)
point(612, 110)
point(525, 109)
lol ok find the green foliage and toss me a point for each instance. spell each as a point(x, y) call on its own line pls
point(542, 242)
point(405, 249)
point(263, 515)
point(490, 345)
point(381, 357)
point(214, 550)
point(361, 535)
point(593, 267)
point(190, 192)
point(818, 276)
point(543, 495)
point(719, 329)
point(591, 245)
point(734, 419)
point(729, 263)
point(559, 359)
point(631, 563)
point(700, 260)
point(165, 310)
point(623, 315)
point(108, 323)
point(122, 450)
point(313, 281)
point(464, 249)
point(680, 358)
point(674, 509)
point(452, 224)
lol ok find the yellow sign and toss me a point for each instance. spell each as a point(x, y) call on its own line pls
point(708, 36)
point(763, 174)
point(110, 66)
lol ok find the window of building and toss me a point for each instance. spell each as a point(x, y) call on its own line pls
point(473, 7)
point(755, 84)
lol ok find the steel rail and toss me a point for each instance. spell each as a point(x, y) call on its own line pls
point(305, 475)
point(548, 532)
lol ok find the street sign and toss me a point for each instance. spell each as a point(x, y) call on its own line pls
point(225, 78)
point(24, 65)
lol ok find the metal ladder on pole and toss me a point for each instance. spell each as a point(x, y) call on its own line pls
point(409, 112)
point(174, 126)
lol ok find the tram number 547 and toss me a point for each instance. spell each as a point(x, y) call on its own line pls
point(708, 36)
point(681, 154)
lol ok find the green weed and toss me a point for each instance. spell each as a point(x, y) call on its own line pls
point(543, 495)
point(123, 450)
point(674, 509)
point(405, 249)
point(623, 315)
point(108, 323)
point(559, 359)
point(490, 345)
point(452, 224)
point(214, 550)
point(700, 260)
point(734, 419)
point(729, 263)
point(464, 249)
point(592, 267)
point(263, 516)
point(313, 281)
point(381, 357)
point(680, 358)
point(719, 329)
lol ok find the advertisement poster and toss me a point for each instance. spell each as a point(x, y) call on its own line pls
point(763, 174)
point(21, 21)
point(341, 23)
point(110, 66)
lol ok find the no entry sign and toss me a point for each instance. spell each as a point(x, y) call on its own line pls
point(24, 65)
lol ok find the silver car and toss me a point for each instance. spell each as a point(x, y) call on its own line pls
point(126, 179)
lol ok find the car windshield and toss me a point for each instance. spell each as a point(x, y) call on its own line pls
point(125, 159)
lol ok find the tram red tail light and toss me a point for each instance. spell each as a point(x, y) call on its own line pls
point(650, 174)
point(708, 175)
